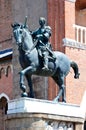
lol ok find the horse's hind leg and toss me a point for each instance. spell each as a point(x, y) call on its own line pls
point(60, 83)
point(63, 94)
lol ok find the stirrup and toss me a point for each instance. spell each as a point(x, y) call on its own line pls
point(54, 57)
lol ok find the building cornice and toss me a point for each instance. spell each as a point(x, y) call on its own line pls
point(74, 44)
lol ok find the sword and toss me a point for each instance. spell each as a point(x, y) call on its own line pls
point(48, 49)
point(25, 22)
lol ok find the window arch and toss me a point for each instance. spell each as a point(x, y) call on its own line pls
point(4, 95)
point(8, 70)
point(3, 103)
point(3, 108)
point(2, 71)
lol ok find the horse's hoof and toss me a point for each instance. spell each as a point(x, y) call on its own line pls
point(55, 100)
point(23, 87)
point(64, 101)
point(76, 76)
point(31, 95)
point(24, 94)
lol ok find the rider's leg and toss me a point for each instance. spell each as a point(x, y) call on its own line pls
point(45, 56)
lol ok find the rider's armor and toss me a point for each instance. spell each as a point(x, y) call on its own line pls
point(43, 46)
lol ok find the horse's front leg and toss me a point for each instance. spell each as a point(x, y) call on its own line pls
point(28, 70)
point(29, 80)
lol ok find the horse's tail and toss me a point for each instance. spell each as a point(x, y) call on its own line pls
point(76, 69)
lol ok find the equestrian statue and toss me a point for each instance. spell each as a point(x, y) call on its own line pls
point(37, 57)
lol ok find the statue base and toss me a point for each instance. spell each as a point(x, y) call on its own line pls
point(35, 114)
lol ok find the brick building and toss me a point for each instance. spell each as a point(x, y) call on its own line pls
point(67, 20)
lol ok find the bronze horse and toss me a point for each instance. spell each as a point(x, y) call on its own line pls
point(32, 64)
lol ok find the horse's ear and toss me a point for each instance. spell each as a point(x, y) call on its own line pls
point(12, 25)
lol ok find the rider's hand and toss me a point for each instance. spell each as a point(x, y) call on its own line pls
point(39, 36)
point(27, 52)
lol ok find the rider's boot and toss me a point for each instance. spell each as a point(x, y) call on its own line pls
point(45, 64)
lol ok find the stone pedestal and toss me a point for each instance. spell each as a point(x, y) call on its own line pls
point(35, 114)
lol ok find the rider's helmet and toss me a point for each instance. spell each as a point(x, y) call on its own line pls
point(42, 21)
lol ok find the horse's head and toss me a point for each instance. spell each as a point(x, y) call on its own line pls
point(22, 36)
point(18, 32)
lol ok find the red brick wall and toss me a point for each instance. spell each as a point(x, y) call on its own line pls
point(75, 87)
point(57, 22)
point(6, 79)
point(61, 17)
point(5, 42)
point(5, 24)
point(69, 19)
point(80, 13)
point(6, 73)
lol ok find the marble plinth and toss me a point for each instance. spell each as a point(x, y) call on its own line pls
point(36, 114)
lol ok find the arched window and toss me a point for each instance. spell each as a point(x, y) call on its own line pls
point(3, 109)
point(2, 71)
point(3, 102)
point(8, 70)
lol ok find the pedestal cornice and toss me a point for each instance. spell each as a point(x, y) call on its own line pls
point(71, 1)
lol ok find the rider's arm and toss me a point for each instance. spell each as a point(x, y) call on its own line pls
point(34, 34)
point(47, 33)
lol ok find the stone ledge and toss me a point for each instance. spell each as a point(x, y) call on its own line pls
point(45, 109)
point(74, 44)
point(44, 116)
point(71, 1)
